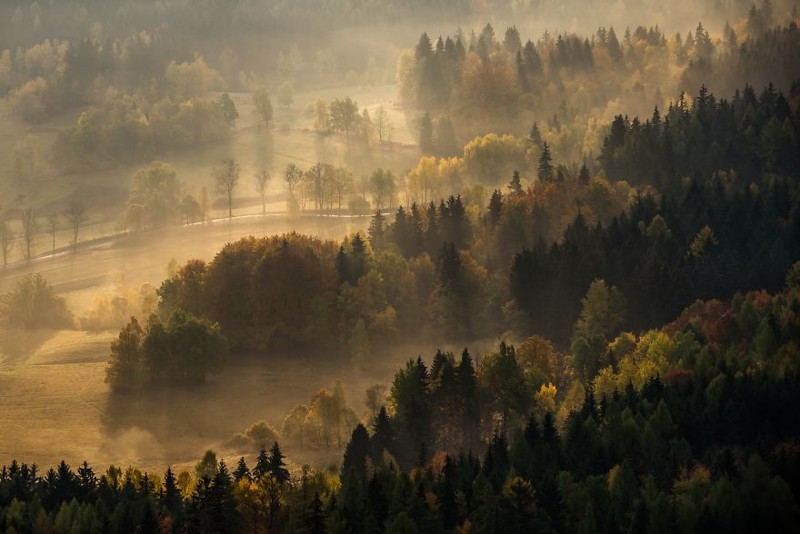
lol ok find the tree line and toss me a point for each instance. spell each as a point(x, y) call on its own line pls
point(467, 85)
point(689, 426)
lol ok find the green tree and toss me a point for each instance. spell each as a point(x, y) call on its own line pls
point(262, 105)
point(356, 453)
point(275, 464)
point(602, 311)
point(545, 168)
point(344, 115)
point(156, 192)
point(195, 348)
point(227, 109)
point(124, 371)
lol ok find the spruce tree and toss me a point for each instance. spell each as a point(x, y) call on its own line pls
point(545, 168)
point(242, 471)
point(262, 465)
point(276, 466)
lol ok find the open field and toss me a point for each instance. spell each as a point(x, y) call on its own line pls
point(60, 387)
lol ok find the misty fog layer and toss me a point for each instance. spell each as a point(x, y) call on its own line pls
point(399, 265)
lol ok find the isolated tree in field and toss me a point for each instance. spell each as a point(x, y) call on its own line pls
point(292, 175)
point(227, 109)
point(261, 179)
point(34, 304)
point(381, 187)
point(5, 241)
point(156, 192)
point(382, 124)
point(52, 227)
point(227, 176)
point(29, 228)
point(545, 168)
point(76, 216)
point(344, 115)
point(263, 105)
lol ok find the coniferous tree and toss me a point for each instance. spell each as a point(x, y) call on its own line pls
point(545, 167)
point(242, 471)
point(262, 464)
point(275, 464)
point(356, 453)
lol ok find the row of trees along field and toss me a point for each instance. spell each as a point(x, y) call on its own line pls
point(686, 428)
point(570, 84)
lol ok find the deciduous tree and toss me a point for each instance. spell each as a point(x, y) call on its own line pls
point(76, 215)
point(29, 228)
point(263, 105)
point(261, 179)
point(227, 177)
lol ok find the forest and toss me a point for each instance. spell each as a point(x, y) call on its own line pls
point(399, 266)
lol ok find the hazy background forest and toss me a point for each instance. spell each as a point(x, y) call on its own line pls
point(474, 265)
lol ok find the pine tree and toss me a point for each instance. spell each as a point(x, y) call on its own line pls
point(515, 186)
point(535, 136)
point(315, 518)
point(242, 471)
point(376, 231)
point(170, 496)
point(87, 483)
point(276, 466)
point(583, 174)
point(545, 168)
point(382, 436)
point(495, 208)
point(223, 514)
point(356, 452)
point(262, 465)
